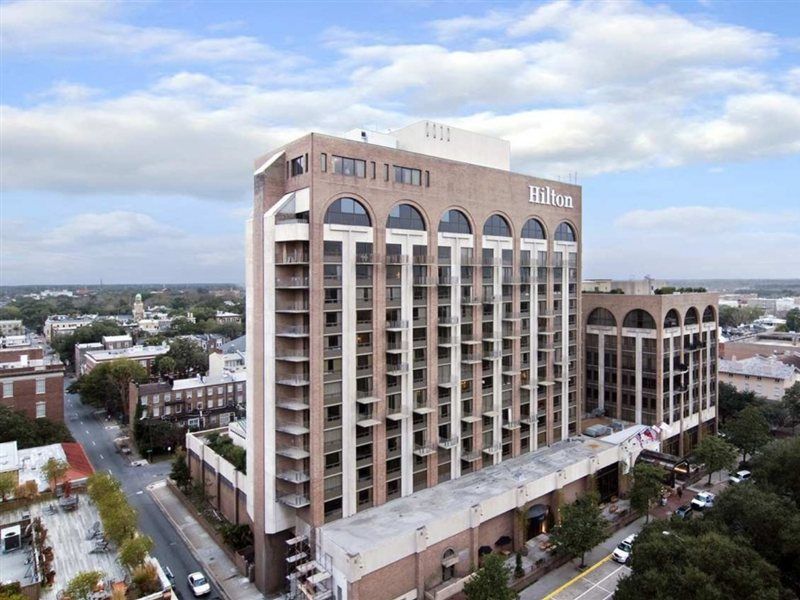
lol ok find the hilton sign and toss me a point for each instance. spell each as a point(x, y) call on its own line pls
point(547, 195)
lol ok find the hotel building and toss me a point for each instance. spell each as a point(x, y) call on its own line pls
point(652, 360)
point(414, 360)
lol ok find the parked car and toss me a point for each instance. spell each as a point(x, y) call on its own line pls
point(622, 553)
point(702, 501)
point(739, 477)
point(199, 584)
point(684, 511)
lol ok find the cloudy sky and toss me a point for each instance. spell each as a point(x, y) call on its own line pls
point(129, 129)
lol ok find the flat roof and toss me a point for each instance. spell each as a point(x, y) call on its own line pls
point(132, 352)
point(193, 382)
point(394, 523)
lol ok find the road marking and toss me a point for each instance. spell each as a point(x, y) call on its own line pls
point(81, 422)
point(101, 457)
point(554, 593)
point(109, 471)
point(94, 443)
point(87, 432)
point(139, 493)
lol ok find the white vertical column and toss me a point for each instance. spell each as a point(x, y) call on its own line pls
point(638, 417)
point(348, 376)
point(671, 379)
point(455, 360)
point(601, 371)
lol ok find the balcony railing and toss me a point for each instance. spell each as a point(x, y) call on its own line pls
point(396, 325)
point(291, 282)
point(293, 331)
point(291, 258)
point(448, 443)
point(425, 449)
point(396, 259)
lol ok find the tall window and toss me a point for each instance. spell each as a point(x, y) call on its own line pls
point(496, 225)
point(8, 389)
point(672, 319)
point(454, 221)
point(40, 385)
point(601, 316)
point(41, 410)
point(708, 314)
point(297, 166)
point(533, 230)
point(691, 317)
point(405, 216)
point(565, 233)
point(639, 319)
point(347, 211)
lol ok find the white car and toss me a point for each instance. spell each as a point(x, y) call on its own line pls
point(199, 584)
point(622, 553)
point(739, 477)
point(703, 500)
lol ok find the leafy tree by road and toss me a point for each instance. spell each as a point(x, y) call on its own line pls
point(134, 551)
point(180, 473)
point(716, 454)
point(732, 401)
point(748, 431)
point(189, 357)
point(791, 403)
point(123, 372)
point(777, 468)
point(697, 564)
point(30, 433)
point(490, 581)
point(647, 483)
point(165, 365)
point(582, 527)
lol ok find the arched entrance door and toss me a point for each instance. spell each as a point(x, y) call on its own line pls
point(536, 520)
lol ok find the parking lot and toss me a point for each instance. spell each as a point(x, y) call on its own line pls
point(596, 583)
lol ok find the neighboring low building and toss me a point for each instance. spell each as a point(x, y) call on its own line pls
point(196, 402)
point(117, 342)
point(227, 317)
point(652, 360)
point(11, 327)
point(56, 325)
point(209, 342)
point(766, 376)
point(144, 355)
point(27, 464)
point(32, 382)
point(763, 344)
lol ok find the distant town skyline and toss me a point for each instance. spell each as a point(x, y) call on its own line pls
point(129, 129)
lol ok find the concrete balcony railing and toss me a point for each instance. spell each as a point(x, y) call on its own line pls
point(448, 443)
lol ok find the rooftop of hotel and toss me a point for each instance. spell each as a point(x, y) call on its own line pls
point(404, 516)
point(758, 366)
point(132, 352)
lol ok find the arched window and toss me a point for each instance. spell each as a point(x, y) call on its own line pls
point(454, 221)
point(708, 315)
point(639, 319)
point(496, 225)
point(533, 230)
point(565, 232)
point(347, 211)
point(405, 216)
point(601, 316)
point(672, 319)
point(691, 317)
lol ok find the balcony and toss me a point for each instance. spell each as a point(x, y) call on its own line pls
point(293, 452)
point(424, 449)
point(471, 300)
point(447, 321)
point(423, 409)
point(471, 358)
point(472, 340)
point(291, 258)
point(397, 414)
point(470, 418)
point(364, 325)
point(448, 443)
point(424, 281)
point(492, 298)
point(396, 325)
point(293, 307)
point(448, 280)
point(396, 369)
point(366, 397)
point(367, 421)
point(448, 383)
point(511, 425)
point(293, 476)
point(397, 259)
point(292, 428)
point(294, 381)
point(493, 355)
point(292, 331)
point(293, 404)
point(294, 500)
point(294, 357)
point(291, 282)
point(493, 449)
point(513, 316)
point(332, 258)
point(471, 456)
point(364, 259)
point(332, 281)
point(396, 347)
point(424, 259)
point(448, 342)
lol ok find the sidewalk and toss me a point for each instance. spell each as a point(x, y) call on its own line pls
point(558, 578)
point(215, 562)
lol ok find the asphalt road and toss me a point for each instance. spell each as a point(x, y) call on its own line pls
point(97, 436)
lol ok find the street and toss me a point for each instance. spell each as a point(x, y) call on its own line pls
point(97, 437)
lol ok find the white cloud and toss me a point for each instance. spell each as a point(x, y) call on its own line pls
point(116, 247)
point(683, 220)
point(76, 25)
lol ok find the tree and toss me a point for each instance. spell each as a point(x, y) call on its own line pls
point(27, 491)
point(768, 522)
point(157, 435)
point(647, 483)
point(11, 591)
point(189, 357)
point(97, 388)
point(165, 365)
point(490, 581)
point(697, 564)
point(8, 484)
point(64, 345)
point(716, 454)
point(777, 468)
point(791, 403)
point(748, 431)
point(83, 584)
point(133, 551)
point(123, 372)
point(732, 401)
point(119, 522)
point(180, 473)
point(793, 320)
point(582, 527)
point(16, 426)
point(55, 469)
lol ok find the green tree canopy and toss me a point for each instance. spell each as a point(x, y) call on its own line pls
point(189, 357)
point(777, 468)
point(490, 581)
point(732, 401)
point(55, 470)
point(791, 404)
point(647, 483)
point(157, 435)
point(83, 584)
point(582, 527)
point(703, 564)
point(793, 320)
point(64, 345)
point(122, 372)
point(30, 433)
point(716, 454)
point(134, 550)
point(8, 484)
point(749, 430)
